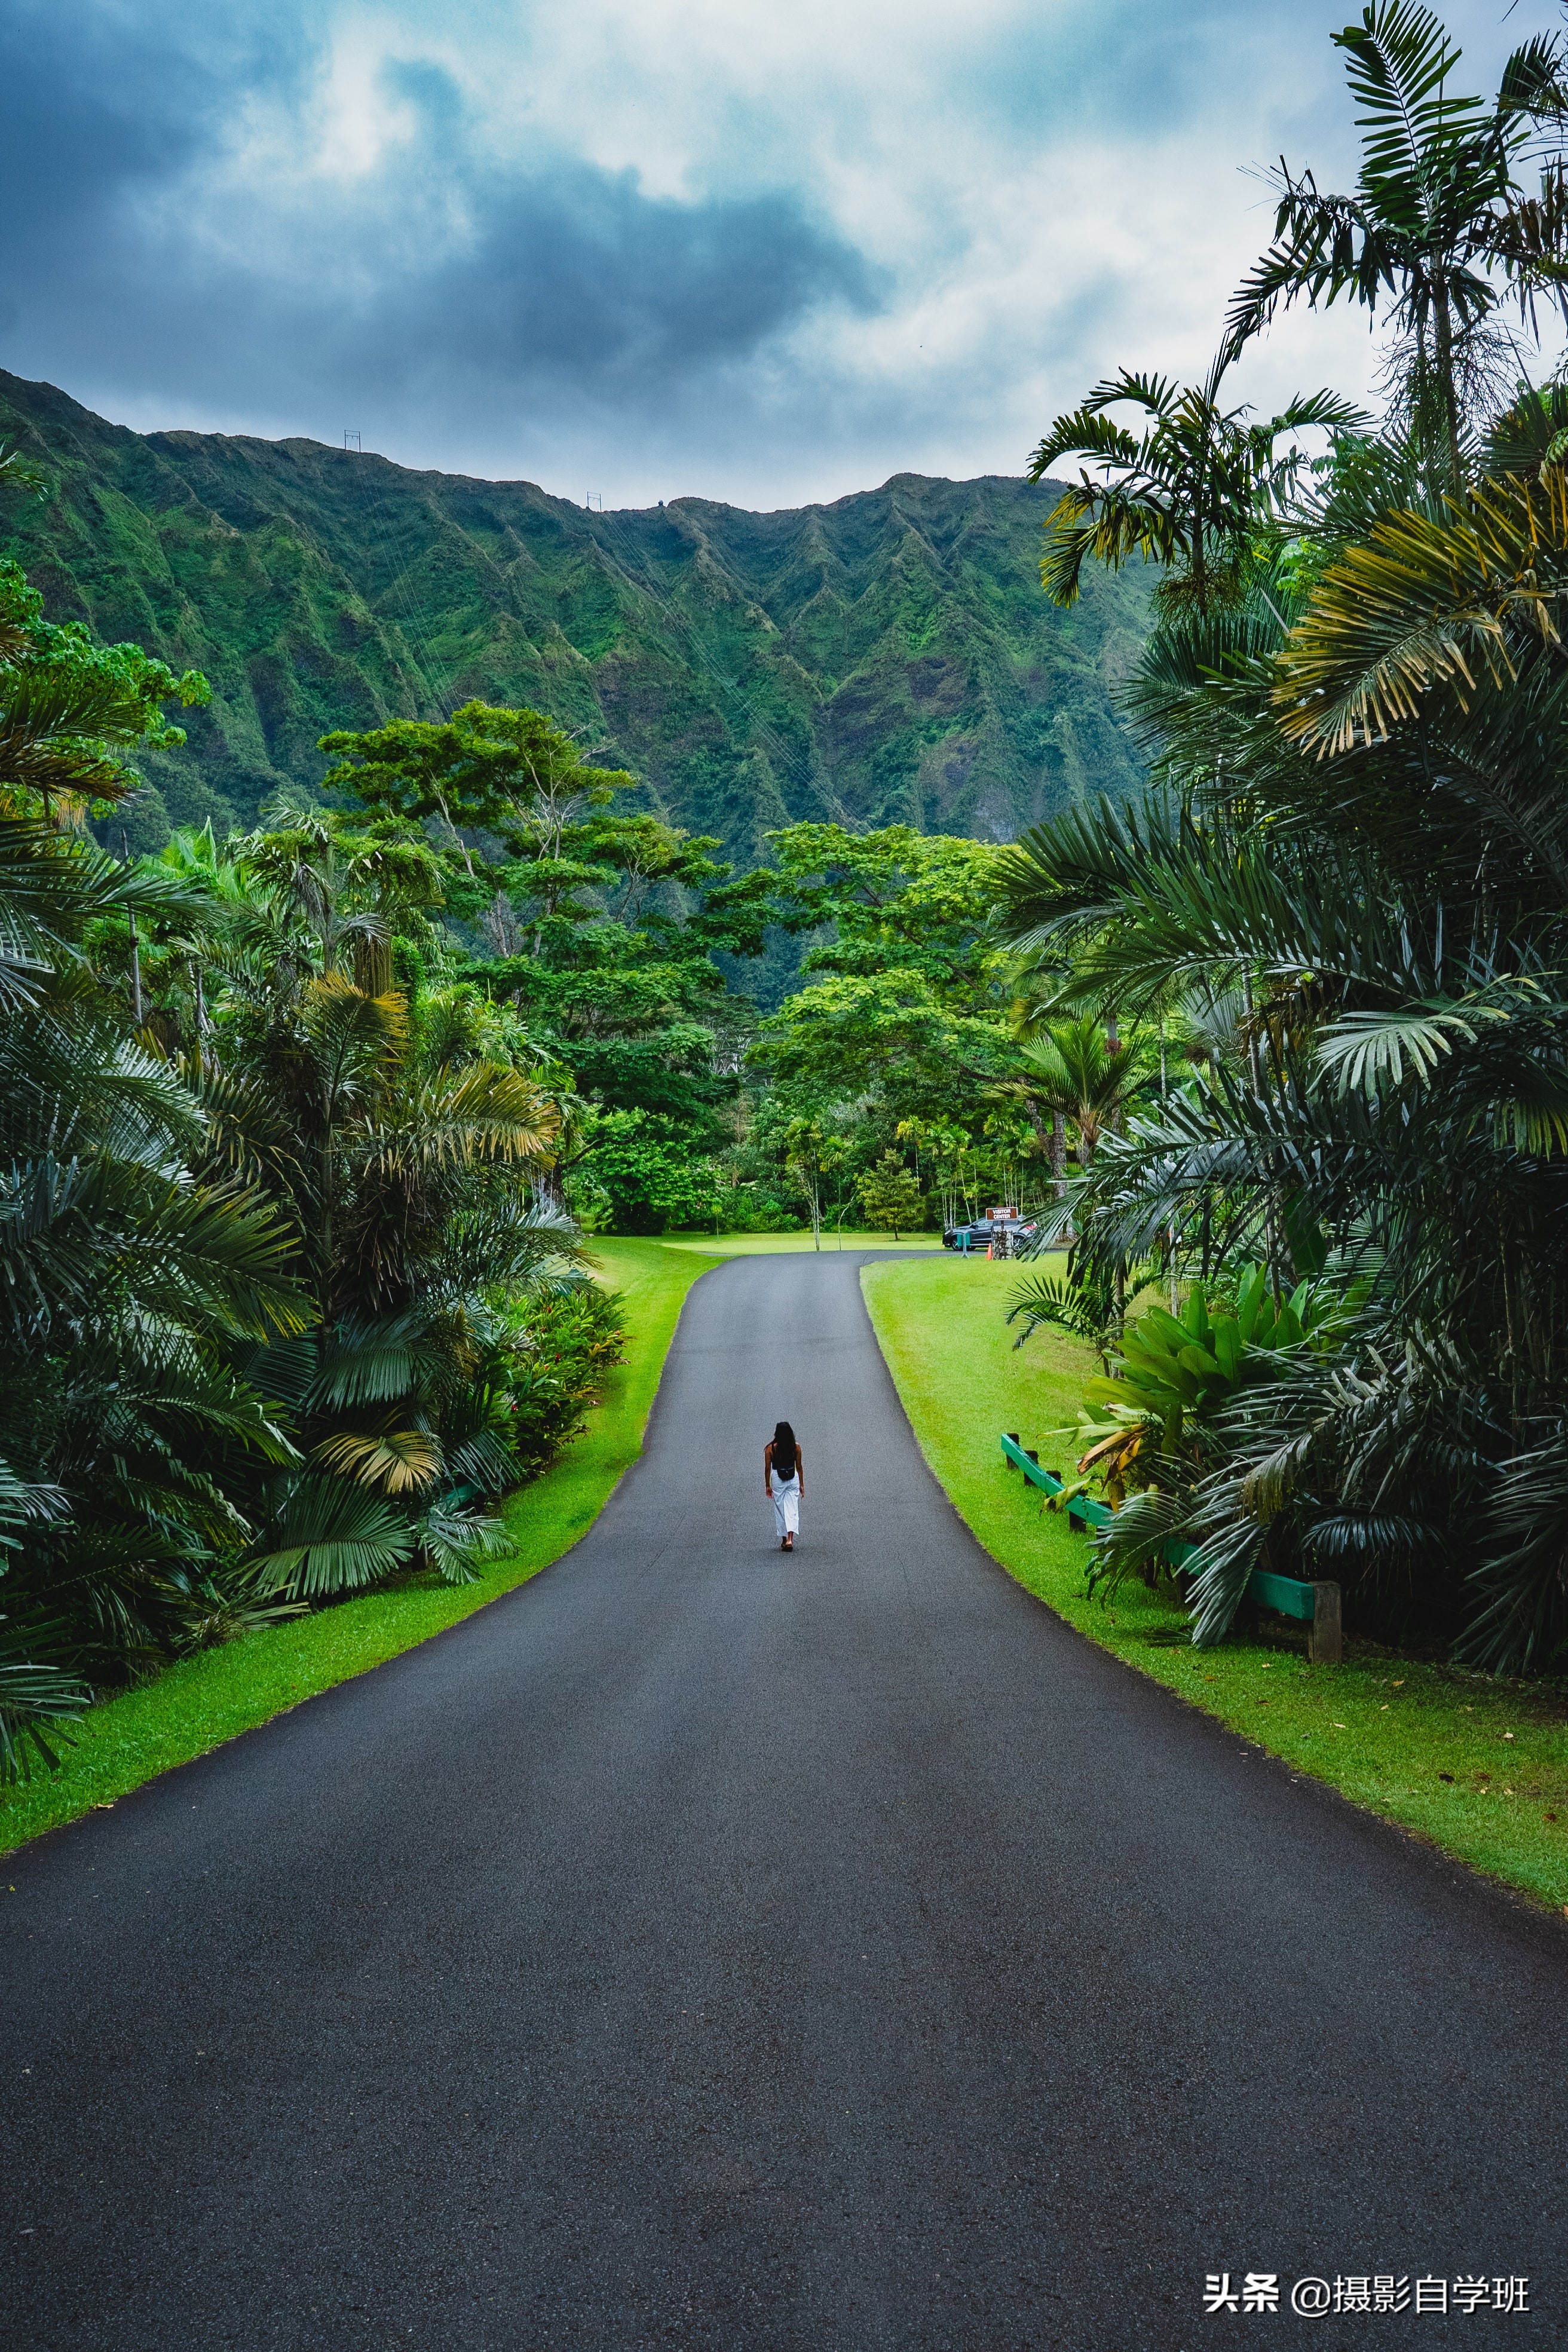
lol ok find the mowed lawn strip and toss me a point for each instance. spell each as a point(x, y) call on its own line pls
point(1479, 1767)
point(204, 1700)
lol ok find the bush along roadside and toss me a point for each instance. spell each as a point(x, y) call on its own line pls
point(1169, 1434)
point(565, 1345)
point(553, 1353)
point(277, 1308)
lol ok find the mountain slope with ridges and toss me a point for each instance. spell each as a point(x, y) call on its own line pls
point(887, 657)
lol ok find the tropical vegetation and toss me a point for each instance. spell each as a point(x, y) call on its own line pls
point(309, 1126)
point(289, 1302)
point(1342, 905)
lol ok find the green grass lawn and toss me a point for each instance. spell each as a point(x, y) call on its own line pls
point(769, 1245)
point(1479, 1767)
point(209, 1698)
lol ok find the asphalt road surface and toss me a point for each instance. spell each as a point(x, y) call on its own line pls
point(709, 1947)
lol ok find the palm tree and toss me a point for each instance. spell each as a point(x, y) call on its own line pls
point(1436, 217)
point(125, 1281)
point(399, 1131)
point(1073, 1073)
point(1082, 1078)
point(124, 1287)
point(1186, 493)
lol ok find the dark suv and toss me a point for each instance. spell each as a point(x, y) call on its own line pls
point(986, 1230)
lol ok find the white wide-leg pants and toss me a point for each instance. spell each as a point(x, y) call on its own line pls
point(787, 1505)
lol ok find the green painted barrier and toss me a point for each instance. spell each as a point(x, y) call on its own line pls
point(1317, 1605)
point(1082, 1511)
point(1287, 1594)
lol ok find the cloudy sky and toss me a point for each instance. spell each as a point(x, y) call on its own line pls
point(763, 250)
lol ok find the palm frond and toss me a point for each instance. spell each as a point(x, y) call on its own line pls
point(332, 1536)
point(377, 1362)
point(397, 1461)
point(456, 1539)
point(39, 1700)
point(1461, 604)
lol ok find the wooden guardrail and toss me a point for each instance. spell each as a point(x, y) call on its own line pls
point(1317, 1605)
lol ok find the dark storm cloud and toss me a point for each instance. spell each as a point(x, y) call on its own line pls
point(583, 276)
point(98, 108)
point(444, 278)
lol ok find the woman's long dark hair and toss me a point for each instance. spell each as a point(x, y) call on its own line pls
point(784, 1450)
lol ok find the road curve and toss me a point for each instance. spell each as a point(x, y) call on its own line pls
point(702, 1948)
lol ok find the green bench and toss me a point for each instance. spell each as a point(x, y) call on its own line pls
point(1317, 1605)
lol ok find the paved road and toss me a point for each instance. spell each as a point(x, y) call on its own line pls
point(707, 1948)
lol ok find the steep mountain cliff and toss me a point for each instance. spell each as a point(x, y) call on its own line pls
point(886, 659)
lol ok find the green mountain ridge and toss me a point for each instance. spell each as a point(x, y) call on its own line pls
point(884, 659)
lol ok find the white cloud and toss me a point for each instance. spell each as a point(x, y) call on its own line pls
point(1037, 190)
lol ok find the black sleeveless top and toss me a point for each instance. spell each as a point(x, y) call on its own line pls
point(786, 1467)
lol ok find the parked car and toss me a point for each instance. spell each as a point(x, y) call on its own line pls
point(986, 1232)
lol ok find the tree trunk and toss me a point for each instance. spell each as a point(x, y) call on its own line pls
point(326, 1164)
point(1269, 1250)
point(1200, 577)
point(1200, 581)
point(1171, 1228)
point(462, 844)
point(201, 1014)
point(1448, 387)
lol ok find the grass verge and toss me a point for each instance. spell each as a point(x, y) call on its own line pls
point(1477, 1767)
point(204, 1700)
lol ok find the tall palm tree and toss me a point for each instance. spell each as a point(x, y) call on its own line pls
point(1185, 493)
point(1390, 908)
point(395, 1132)
point(1438, 215)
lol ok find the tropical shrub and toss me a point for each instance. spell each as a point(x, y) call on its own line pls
point(1160, 1422)
point(129, 1277)
point(1175, 1375)
point(563, 1347)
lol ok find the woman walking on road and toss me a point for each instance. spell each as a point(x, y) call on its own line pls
point(782, 1483)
